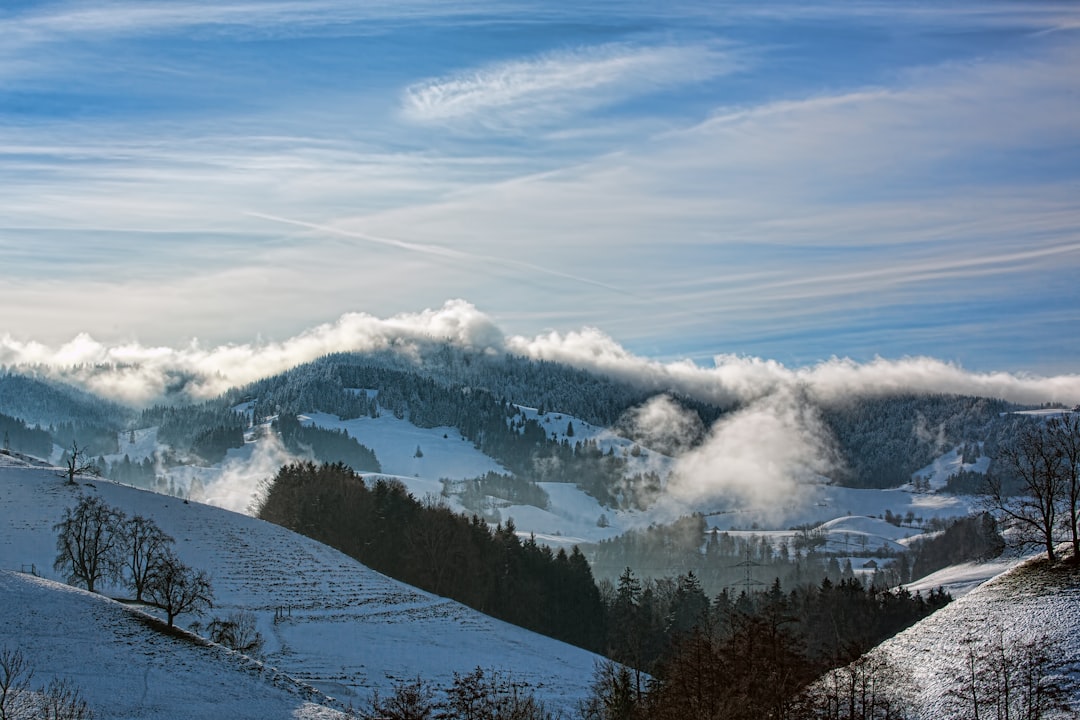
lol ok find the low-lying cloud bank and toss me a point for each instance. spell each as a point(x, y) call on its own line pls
point(139, 375)
point(767, 449)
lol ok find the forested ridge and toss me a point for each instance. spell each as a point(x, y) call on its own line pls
point(880, 441)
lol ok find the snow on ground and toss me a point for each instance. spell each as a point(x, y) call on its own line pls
point(572, 519)
point(145, 445)
point(959, 580)
point(125, 669)
point(949, 464)
point(343, 628)
point(445, 453)
point(1025, 603)
point(556, 425)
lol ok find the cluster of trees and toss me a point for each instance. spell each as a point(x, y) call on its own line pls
point(1043, 462)
point(19, 437)
point(332, 446)
point(1008, 676)
point(495, 426)
point(492, 570)
point(20, 700)
point(475, 492)
point(130, 472)
point(975, 537)
point(207, 430)
point(478, 695)
point(98, 543)
point(28, 395)
point(829, 623)
point(427, 545)
point(746, 657)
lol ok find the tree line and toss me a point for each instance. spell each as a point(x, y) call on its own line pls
point(429, 546)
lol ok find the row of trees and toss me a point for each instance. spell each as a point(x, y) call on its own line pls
point(98, 543)
point(478, 695)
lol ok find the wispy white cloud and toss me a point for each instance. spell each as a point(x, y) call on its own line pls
point(518, 94)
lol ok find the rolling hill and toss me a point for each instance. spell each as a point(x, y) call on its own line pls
point(329, 622)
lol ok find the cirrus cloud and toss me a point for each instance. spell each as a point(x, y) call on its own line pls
point(538, 90)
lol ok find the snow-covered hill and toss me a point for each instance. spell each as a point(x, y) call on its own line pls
point(1031, 602)
point(328, 620)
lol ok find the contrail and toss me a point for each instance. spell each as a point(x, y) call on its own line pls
point(438, 251)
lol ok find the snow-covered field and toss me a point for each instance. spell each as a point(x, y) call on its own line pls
point(342, 628)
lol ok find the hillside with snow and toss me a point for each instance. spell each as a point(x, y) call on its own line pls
point(329, 622)
point(126, 667)
point(1033, 605)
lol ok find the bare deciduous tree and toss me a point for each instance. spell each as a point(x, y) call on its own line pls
point(1039, 466)
point(144, 545)
point(77, 463)
point(1064, 434)
point(1008, 677)
point(871, 688)
point(176, 588)
point(410, 700)
point(16, 697)
point(88, 541)
point(61, 700)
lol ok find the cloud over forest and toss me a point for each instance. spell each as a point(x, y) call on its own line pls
point(139, 375)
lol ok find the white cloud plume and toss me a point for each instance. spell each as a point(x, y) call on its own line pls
point(240, 483)
point(767, 451)
point(662, 424)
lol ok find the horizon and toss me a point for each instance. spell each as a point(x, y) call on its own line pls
point(799, 184)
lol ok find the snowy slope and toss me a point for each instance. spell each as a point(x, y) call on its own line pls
point(345, 629)
point(443, 451)
point(125, 669)
point(1027, 602)
point(938, 472)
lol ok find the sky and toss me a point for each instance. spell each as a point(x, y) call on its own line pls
point(792, 182)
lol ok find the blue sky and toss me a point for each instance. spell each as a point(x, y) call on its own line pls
point(792, 181)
